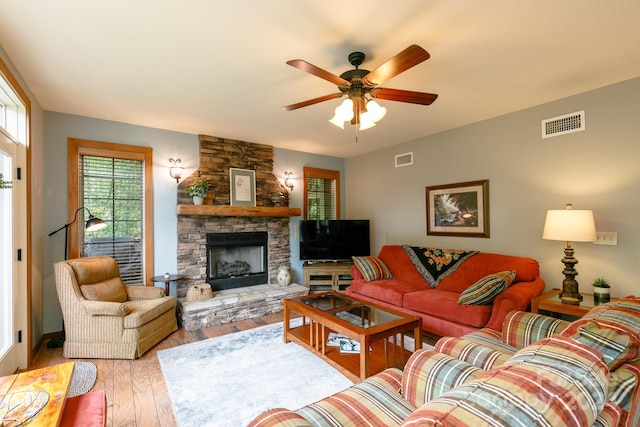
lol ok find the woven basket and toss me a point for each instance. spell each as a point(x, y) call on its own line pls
point(199, 292)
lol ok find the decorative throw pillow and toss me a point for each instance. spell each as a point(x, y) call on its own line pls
point(372, 268)
point(486, 289)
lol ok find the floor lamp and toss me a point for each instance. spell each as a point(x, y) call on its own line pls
point(92, 224)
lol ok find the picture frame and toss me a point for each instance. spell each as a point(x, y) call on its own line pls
point(243, 187)
point(460, 209)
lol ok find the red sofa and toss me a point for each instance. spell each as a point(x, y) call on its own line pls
point(438, 307)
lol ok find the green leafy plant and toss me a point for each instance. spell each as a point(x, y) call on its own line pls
point(3, 183)
point(600, 283)
point(200, 188)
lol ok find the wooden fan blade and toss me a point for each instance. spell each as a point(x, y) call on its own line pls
point(410, 57)
point(318, 72)
point(404, 96)
point(312, 101)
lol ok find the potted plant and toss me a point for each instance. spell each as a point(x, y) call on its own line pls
point(198, 190)
point(601, 291)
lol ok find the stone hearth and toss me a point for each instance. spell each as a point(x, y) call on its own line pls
point(232, 305)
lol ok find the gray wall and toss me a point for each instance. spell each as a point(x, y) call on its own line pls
point(165, 144)
point(595, 169)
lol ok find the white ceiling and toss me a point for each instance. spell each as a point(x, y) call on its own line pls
point(218, 67)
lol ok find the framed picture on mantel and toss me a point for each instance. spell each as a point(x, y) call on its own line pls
point(243, 187)
point(460, 209)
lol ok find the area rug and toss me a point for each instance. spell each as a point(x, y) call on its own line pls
point(229, 380)
point(84, 377)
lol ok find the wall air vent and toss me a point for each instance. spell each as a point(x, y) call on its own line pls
point(405, 159)
point(568, 123)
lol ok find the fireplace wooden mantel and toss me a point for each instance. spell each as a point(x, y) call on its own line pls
point(223, 210)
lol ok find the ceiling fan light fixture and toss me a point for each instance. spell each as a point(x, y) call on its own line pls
point(336, 120)
point(365, 121)
point(375, 111)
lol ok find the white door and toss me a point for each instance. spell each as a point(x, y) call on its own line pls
point(12, 298)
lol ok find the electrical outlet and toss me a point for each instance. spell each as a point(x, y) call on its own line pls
point(609, 238)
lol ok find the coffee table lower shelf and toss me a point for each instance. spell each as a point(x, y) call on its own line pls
point(349, 364)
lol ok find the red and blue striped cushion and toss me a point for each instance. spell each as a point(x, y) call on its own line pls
point(485, 290)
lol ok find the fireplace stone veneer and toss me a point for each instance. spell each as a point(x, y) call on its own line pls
point(216, 157)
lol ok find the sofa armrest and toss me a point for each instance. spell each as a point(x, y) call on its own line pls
point(279, 417)
point(104, 308)
point(516, 297)
point(139, 293)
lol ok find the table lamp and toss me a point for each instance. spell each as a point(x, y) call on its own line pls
point(571, 226)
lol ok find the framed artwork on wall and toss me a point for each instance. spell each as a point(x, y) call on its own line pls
point(460, 209)
point(243, 187)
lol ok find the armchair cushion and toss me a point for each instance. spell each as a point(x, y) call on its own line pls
point(521, 328)
point(142, 312)
point(108, 290)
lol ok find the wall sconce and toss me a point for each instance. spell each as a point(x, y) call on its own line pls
point(175, 170)
point(289, 181)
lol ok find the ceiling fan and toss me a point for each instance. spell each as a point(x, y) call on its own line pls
point(361, 85)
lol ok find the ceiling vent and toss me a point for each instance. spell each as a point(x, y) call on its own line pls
point(405, 159)
point(569, 123)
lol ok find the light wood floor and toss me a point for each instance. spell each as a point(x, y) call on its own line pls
point(136, 392)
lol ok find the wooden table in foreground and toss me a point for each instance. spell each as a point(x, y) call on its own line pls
point(379, 331)
point(54, 380)
point(549, 303)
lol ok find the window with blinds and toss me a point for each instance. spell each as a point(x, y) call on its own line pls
point(112, 189)
point(321, 198)
point(114, 182)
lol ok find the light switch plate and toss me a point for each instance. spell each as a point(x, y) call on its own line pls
point(609, 238)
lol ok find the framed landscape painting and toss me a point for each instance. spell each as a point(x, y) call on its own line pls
point(460, 209)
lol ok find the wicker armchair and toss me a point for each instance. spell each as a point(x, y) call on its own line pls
point(105, 318)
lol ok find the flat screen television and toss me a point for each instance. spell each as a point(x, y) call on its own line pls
point(333, 240)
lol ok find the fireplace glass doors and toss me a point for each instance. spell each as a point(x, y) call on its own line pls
point(237, 259)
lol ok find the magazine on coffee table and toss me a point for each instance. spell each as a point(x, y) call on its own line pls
point(346, 345)
point(334, 339)
point(349, 346)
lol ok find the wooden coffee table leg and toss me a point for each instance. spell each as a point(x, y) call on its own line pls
point(286, 315)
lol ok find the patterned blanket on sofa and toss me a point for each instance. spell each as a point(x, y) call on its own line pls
point(436, 264)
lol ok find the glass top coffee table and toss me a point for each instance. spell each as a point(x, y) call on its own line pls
point(356, 337)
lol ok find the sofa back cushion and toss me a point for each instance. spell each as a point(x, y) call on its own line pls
point(556, 382)
point(429, 373)
point(400, 265)
point(521, 328)
point(483, 264)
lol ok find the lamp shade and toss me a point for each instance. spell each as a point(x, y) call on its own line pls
point(570, 225)
point(94, 224)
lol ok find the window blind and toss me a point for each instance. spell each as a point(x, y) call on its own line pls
point(321, 198)
point(113, 190)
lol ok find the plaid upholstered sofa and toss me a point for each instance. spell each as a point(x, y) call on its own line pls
point(430, 283)
point(536, 371)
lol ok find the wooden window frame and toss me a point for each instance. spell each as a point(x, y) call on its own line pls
point(81, 147)
point(310, 172)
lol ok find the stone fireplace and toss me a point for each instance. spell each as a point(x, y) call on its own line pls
point(235, 260)
point(256, 293)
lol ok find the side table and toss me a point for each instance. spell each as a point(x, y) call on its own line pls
point(549, 303)
point(167, 281)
